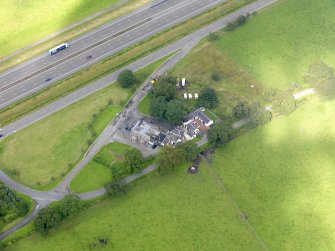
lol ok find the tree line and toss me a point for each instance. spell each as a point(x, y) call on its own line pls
point(11, 206)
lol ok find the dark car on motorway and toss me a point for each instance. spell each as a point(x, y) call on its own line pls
point(47, 79)
point(89, 57)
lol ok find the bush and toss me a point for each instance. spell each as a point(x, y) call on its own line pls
point(215, 77)
point(283, 103)
point(241, 110)
point(207, 98)
point(126, 78)
point(212, 37)
point(70, 205)
point(258, 115)
point(240, 20)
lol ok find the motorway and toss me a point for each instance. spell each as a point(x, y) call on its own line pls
point(44, 198)
point(30, 77)
point(107, 80)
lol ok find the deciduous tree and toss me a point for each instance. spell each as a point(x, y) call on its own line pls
point(168, 159)
point(70, 205)
point(175, 111)
point(46, 219)
point(258, 115)
point(220, 133)
point(126, 78)
point(158, 107)
point(133, 160)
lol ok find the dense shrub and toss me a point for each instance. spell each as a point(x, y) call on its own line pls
point(126, 78)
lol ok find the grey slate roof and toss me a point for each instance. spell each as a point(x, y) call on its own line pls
point(197, 114)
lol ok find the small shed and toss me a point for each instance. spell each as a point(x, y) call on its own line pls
point(190, 95)
point(185, 95)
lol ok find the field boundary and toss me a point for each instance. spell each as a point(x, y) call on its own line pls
point(237, 208)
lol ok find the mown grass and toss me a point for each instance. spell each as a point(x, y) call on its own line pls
point(144, 106)
point(97, 173)
point(277, 45)
point(175, 212)
point(22, 34)
point(282, 176)
point(86, 76)
point(51, 147)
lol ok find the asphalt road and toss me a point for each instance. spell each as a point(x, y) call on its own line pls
point(30, 77)
point(42, 199)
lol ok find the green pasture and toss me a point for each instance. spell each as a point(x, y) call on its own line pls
point(47, 149)
point(282, 177)
point(97, 173)
point(278, 44)
point(174, 212)
point(24, 22)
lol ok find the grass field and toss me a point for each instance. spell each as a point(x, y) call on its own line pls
point(177, 212)
point(235, 83)
point(50, 147)
point(47, 148)
point(282, 177)
point(278, 44)
point(32, 20)
point(96, 174)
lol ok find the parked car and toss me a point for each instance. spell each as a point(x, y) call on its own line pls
point(1, 135)
point(47, 79)
point(154, 146)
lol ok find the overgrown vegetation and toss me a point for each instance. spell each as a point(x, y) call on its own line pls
point(321, 77)
point(127, 78)
point(169, 158)
point(11, 206)
point(239, 21)
point(49, 217)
